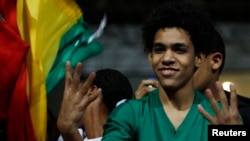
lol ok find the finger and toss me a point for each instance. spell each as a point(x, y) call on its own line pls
point(212, 101)
point(205, 113)
point(152, 83)
point(68, 76)
point(155, 83)
point(233, 98)
point(96, 94)
point(76, 75)
point(143, 92)
point(222, 96)
point(87, 84)
point(141, 85)
point(140, 90)
point(234, 105)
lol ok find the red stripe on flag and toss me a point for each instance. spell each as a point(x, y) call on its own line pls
point(19, 126)
point(12, 54)
point(8, 11)
point(14, 106)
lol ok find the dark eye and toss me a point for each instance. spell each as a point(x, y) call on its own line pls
point(180, 48)
point(158, 48)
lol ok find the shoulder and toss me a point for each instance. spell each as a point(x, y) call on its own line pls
point(134, 108)
point(129, 107)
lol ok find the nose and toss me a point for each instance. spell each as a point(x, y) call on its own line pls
point(168, 57)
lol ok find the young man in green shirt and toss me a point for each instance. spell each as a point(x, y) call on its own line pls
point(175, 35)
point(206, 75)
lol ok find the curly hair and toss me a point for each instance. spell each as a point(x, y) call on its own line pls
point(182, 15)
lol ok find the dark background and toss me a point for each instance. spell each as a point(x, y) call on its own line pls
point(132, 11)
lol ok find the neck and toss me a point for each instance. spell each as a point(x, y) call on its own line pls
point(179, 100)
point(176, 105)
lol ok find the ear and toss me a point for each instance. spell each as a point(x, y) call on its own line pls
point(150, 58)
point(215, 60)
point(199, 58)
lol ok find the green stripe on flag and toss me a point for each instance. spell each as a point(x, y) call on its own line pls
point(71, 50)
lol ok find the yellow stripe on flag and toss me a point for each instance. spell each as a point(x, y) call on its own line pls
point(42, 23)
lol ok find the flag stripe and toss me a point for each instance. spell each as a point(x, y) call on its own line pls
point(71, 49)
point(19, 125)
point(42, 24)
point(14, 107)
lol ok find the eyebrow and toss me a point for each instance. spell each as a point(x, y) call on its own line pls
point(178, 44)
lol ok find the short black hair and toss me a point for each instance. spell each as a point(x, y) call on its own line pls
point(115, 86)
point(180, 14)
point(216, 44)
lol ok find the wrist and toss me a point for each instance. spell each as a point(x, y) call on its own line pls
point(66, 127)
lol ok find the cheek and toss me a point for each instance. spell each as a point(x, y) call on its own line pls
point(186, 59)
point(188, 65)
point(200, 79)
point(155, 60)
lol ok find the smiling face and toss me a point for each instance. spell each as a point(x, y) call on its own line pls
point(173, 58)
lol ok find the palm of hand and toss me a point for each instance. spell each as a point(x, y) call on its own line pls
point(227, 114)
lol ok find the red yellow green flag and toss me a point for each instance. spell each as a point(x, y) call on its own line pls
point(38, 38)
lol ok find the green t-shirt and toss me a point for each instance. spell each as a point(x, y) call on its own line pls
point(145, 120)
